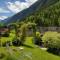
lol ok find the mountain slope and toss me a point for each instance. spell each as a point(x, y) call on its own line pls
point(48, 17)
point(38, 5)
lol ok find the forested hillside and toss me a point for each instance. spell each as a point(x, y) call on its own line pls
point(47, 17)
point(37, 6)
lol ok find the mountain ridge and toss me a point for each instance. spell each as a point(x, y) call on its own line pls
point(38, 5)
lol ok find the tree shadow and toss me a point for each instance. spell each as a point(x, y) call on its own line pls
point(27, 46)
point(54, 51)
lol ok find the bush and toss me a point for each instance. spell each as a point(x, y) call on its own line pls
point(22, 39)
point(6, 35)
point(16, 42)
point(38, 34)
point(7, 43)
point(52, 41)
point(37, 39)
point(2, 55)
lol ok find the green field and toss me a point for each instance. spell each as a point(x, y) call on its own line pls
point(29, 52)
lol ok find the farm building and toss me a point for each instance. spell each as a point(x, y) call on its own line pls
point(4, 31)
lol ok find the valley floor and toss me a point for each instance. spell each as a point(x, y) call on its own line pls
point(27, 52)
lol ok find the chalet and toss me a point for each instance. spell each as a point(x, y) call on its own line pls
point(4, 31)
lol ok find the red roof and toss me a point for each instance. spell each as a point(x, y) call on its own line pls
point(3, 29)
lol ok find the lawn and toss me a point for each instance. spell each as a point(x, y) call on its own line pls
point(10, 38)
point(29, 52)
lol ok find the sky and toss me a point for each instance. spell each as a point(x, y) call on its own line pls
point(11, 7)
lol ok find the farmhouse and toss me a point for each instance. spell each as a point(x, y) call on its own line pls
point(4, 31)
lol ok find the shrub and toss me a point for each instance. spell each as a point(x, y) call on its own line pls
point(38, 34)
point(22, 39)
point(37, 39)
point(6, 35)
point(2, 55)
point(52, 41)
point(7, 43)
point(16, 42)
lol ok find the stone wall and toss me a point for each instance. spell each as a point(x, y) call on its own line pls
point(45, 29)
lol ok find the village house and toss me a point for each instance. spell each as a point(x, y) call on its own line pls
point(4, 31)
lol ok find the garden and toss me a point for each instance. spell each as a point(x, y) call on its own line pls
point(20, 45)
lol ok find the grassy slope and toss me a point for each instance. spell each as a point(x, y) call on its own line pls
point(36, 52)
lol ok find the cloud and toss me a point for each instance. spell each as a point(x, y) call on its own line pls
point(4, 11)
point(18, 6)
point(3, 17)
point(31, 1)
